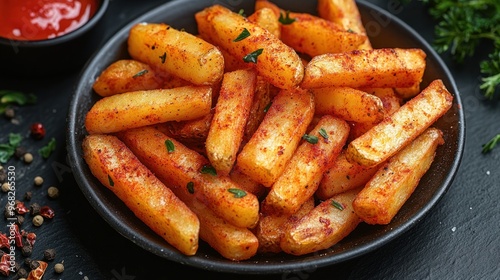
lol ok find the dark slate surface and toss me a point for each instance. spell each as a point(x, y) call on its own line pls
point(459, 239)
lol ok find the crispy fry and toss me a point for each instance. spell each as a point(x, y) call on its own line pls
point(392, 185)
point(393, 133)
point(176, 52)
point(116, 167)
point(186, 168)
point(267, 19)
point(302, 175)
point(230, 117)
point(264, 93)
point(385, 68)
point(139, 108)
point(266, 154)
point(322, 227)
point(272, 59)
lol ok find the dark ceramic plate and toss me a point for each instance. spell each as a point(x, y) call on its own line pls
point(385, 30)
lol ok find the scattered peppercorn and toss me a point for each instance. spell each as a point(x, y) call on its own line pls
point(20, 219)
point(37, 220)
point(59, 268)
point(6, 187)
point(9, 113)
point(28, 195)
point(37, 131)
point(33, 264)
point(34, 209)
point(38, 181)
point(53, 192)
point(26, 250)
point(20, 151)
point(49, 254)
point(22, 273)
point(28, 157)
point(3, 174)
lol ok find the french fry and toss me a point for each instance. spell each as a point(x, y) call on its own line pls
point(264, 157)
point(344, 13)
point(188, 131)
point(408, 92)
point(264, 93)
point(126, 75)
point(384, 68)
point(302, 175)
point(116, 167)
point(343, 176)
point(393, 133)
point(140, 108)
point(315, 36)
point(270, 228)
point(349, 104)
point(322, 227)
point(384, 195)
point(261, 4)
point(176, 52)
point(227, 127)
point(267, 19)
point(183, 167)
point(247, 183)
point(273, 60)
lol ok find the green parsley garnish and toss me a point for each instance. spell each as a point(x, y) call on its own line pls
point(267, 107)
point(207, 169)
point(111, 183)
point(310, 138)
point(170, 146)
point(9, 149)
point(491, 144)
point(8, 97)
point(244, 34)
point(337, 205)
point(163, 57)
point(241, 12)
point(285, 19)
point(190, 187)
point(140, 73)
point(47, 150)
point(252, 57)
point(323, 133)
point(237, 193)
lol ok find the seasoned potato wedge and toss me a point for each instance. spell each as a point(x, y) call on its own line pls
point(230, 117)
point(385, 68)
point(349, 104)
point(383, 196)
point(140, 108)
point(264, 93)
point(322, 227)
point(272, 59)
point(183, 167)
point(117, 168)
point(176, 52)
point(267, 19)
point(393, 133)
point(302, 175)
point(126, 75)
point(266, 154)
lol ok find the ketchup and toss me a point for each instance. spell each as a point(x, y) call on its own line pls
point(33, 20)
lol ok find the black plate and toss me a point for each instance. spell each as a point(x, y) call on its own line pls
point(385, 30)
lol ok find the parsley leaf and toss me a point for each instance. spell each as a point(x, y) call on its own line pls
point(47, 150)
point(252, 57)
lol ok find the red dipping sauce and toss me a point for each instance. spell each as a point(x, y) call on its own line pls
point(33, 20)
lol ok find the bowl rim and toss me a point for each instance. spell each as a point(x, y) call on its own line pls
point(261, 267)
point(101, 10)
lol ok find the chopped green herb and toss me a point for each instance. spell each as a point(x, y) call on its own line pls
point(244, 34)
point(491, 144)
point(190, 187)
point(163, 57)
point(285, 18)
point(8, 97)
point(47, 150)
point(111, 183)
point(9, 149)
point(237, 193)
point(267, 107)
point(310, 138)
point(207, 169)
point(170, 146)
point(323, 133)
point(337, 205)
point(140, 73)
point(241, 12)
point(252, 57)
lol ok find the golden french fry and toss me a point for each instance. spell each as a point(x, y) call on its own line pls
point(384, 195)
point(349, 104)
point(188, 131)
point(139, 108)
point(126, 75)
point(117, 168)
point(261, 4)
point(322, 227)
point(230, 117)
point(272, 59)
point(304, 171)
point(384, 68)
point(267, 19)
point(247, 183)
point(264, 157)
point(408, 92)
point(176, 52)
point(172, 162)
point(315, 36)
point(264, 93)
point(410, 120)
point(343, 176)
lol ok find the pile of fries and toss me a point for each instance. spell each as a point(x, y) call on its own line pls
point(273, 132)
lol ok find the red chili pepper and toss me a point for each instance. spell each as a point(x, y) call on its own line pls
point(47, 212)
point(4, 241)
point(21, 209)
point(37, 273)
point(4, 265)
point(31, 238)
point(37, 130)
point(18, 237)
